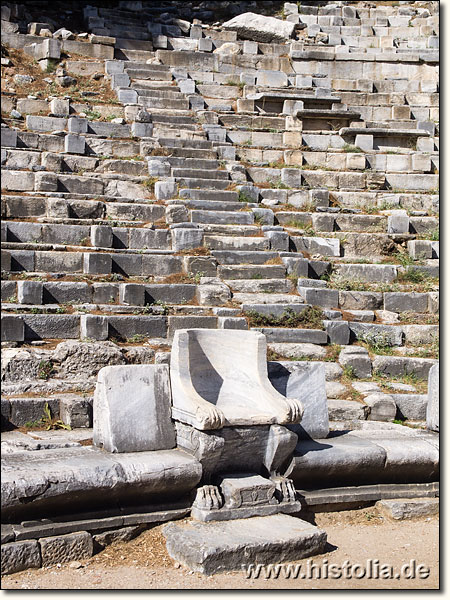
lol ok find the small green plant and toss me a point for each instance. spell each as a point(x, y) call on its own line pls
point(376, 342)
point(12, 299)
point(50, 422)
point(310, 318)
point(45, 370)
point(137, 338)
point(149, 183)
point(93, 115)
point(278, 184)
point(399, 421)
point(256, 276)
point(348, 372)
point(412, 275)
point(51, 65)
point(350, 148)
point(243, 197)
point(434, 235)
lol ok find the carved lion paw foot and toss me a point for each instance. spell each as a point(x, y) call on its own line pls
point(208, 498)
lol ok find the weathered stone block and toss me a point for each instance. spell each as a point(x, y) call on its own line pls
point(143, 421)
point(96, 263)
point(358, 359)
point(382, 407)
point(433, 399)
point(65, 548)
point(29, 292)
point(213, 547)
point(18, 556)
point(13, 329)
point(74, 144)
point(94, 327)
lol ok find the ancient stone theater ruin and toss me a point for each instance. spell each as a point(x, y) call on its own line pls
point(220, 261)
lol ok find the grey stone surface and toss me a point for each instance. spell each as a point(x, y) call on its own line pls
point(382, 407)
point(340, 459)
point(410, 508)
point(338, 332)
point(306, 382)
point(140, 423)
point(259, 28)
point(432, 414)
point(358, 359)
point(403, 365)
point(124, 534)
point(341, 410)
point(214, 547)
point(18, 556)
point(212, 388)
point(411, 406)
point(34, 482)
point(65, 548)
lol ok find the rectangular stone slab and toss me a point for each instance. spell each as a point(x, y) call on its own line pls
point(229, 546)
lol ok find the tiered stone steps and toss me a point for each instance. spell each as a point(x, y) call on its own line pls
point(292, 207)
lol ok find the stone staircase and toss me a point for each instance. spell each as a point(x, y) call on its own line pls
point(241, 191)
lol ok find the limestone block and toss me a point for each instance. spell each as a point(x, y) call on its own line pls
point(224, 546)
point(259, 28)
point(132, 409)
point(398, 222)
point(205, 45)
point(357, 358)
point(8, 137)
point(382, 407)
point(127, 96)
point(184, 237)
point(13, 328)
point(18, 556)
point(29, 292)
point(211, 388)
point(74, 144)
point(48, 49)
point(410, 508)
point(65, 548)
point(141, 129)
point(94, 327)
point(433, 399)
point(271, 79)
point(338, 332)
point(101, 236)
point(60, 107)
point(305, 382)
point(114, 67)
point(96, 263)
point(165, 190)
point(77, 125)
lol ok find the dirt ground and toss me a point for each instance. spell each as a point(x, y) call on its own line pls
point(354, 536)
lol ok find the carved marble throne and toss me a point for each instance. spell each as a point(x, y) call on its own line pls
point(231, 418)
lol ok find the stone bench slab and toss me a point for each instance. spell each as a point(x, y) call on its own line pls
point(39, 482)
point(226, 546)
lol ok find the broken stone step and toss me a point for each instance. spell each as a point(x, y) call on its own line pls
point(216, 242)
point(200, 174)
point(214, 205)
point(239, 257)
point(408, 508)
point(209, 195)
point(73, 409)
point(222, 217)
point(157, 93)
point(276, 310)
point(195, 153)
point(283, 286)
point(302, 336)
point(369, 273)
point(258, 298)
point(144, 66)
point(208, 184)
point(193, 163)
point(249, 271)
point(163, 103)
point(231, 230)
point(215, 547)
point(131, 55)
point(180, 143)
point(397, 366)
point(149, 73)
